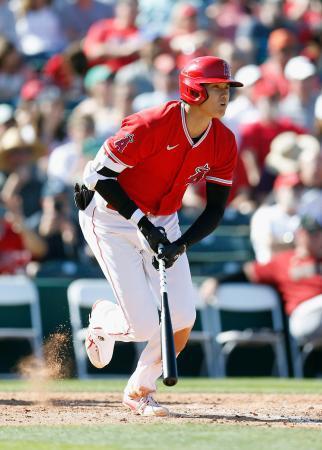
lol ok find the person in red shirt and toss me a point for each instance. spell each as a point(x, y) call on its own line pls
point(255, 142)
point(18, 244)
point(139, 177)
point(297, 276)
point(282, 46)
point(114, 42)
point(12, 250)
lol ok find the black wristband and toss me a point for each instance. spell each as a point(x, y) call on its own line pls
point(144, 224)
point(182, 241)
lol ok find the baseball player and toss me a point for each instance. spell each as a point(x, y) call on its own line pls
point(133, 189)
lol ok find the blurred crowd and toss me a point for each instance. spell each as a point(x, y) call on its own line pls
point(71, 70)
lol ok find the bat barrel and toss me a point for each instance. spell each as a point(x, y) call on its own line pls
point(169, 362)
point(168, 354)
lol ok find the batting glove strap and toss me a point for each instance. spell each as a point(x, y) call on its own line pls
point(169, 253)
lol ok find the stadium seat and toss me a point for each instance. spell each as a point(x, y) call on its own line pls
point(229, 245)
point(16, 291)
point(202, 334)
point(81, 295)
point(301, 352)
point(247, 298)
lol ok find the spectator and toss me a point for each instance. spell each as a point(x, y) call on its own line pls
point(99, 86)
point(66, 70)
point(76, 17)
point(13, 73)
point(18, 243)
point(55, 223)
point(272, 17)
point(226, 17)
point(186, 37)
point(38, 29)
point(50, 120)
point(23, 179)
point(165, 81)
point(242, 109)
point(114, 42)
point(139, 73)
point(306, 14)
point(253, 30)
point(318, 118)
point(298, 105)
point(310, 166)
point(184, 20)
point(273, 226)
point(282, 45)
point(297, 276)
point(7, 22)
point(67, 161)
point(123, 100)
point(285, 151)
point(256, 138)
point(155, 15)
point(232, 53)
point(6, 117)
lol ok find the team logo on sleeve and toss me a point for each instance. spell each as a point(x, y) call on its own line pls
point(120, 144)
point(200, 173)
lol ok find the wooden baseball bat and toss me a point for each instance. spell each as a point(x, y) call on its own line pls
point(168, 353)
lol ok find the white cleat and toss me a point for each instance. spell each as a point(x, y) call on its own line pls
point(145, 406)
point(99, 345)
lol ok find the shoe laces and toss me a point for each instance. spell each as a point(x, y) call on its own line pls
point(148, 401)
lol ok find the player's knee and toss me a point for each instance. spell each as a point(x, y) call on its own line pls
point(190, 317)
point(181, 338)
point(185, 319)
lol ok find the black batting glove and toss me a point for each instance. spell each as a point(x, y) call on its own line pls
point(154, 235)
point(169, 253)
point(82, 196)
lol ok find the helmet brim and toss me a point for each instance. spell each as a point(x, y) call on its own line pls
point(231, 82)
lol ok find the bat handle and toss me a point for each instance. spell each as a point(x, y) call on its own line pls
point(163, 276)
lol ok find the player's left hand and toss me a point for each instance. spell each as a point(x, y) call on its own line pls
point(82, 196)
point(169, 253)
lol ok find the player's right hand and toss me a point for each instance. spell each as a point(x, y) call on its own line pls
point(154, 235)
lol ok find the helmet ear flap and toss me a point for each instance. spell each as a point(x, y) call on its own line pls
point(199, 95)
point(193, 93)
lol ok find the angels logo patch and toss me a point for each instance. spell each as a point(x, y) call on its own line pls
point(226, 70)
point(200, 173)
point(120, 144)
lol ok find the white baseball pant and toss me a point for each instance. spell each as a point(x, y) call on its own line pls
point(125, 259)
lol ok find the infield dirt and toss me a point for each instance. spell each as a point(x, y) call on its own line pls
point(40, 407)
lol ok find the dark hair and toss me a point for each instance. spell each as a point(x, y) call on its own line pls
point(76, 58)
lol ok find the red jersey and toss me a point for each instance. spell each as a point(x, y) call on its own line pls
point(12, 251)
point(161, 159)
point(105, 31)
point(273, 73)
point(297, 279)
point(257, 136)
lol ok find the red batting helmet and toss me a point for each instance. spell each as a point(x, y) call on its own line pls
point(206, 69)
